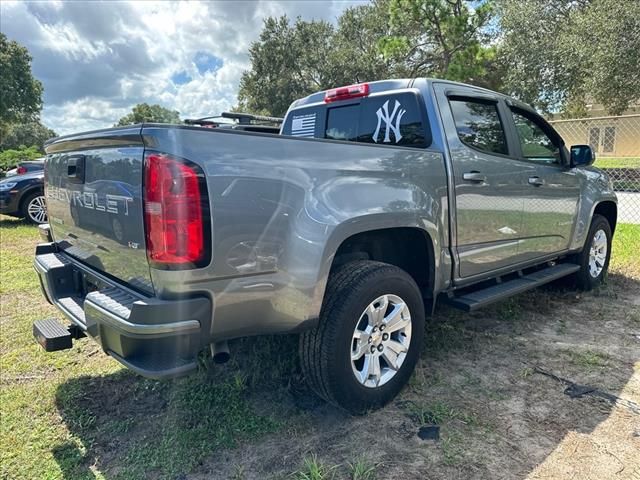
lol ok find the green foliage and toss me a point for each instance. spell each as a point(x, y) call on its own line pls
point(556, 54)
point(287, 62)
point(442, 38)
point(293, 60)
point(376, 41)
point(10, 158)
point(355, 54)
point(564, 54)
point(21, 94)
point(29, 133)
point(315, 470)
point(145, 113)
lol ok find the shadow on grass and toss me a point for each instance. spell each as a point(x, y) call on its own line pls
point(7, 223)
point(131, 427)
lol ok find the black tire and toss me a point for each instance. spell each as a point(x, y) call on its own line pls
point(585, 280)
point(325, 351)
point(24, 208)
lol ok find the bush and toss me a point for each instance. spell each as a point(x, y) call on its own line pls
point(10, 158)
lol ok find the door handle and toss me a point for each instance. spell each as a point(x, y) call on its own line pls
point(536, 181)
point(475, 177)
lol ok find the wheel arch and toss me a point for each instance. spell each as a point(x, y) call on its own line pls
point(408, 248)
point(609, 210)
point(406, 245)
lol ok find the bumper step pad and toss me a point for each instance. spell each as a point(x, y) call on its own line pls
point(52, 335)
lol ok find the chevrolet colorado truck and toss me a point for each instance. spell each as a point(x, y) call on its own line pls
point(374, 202)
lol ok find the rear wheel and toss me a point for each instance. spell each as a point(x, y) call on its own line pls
point(34, 208)
point(594, 258)
point(368, 338)
point(117, 229)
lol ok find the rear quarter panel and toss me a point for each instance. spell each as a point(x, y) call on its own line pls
point(281, 206)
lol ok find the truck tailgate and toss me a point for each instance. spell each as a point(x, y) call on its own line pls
point(93, 186)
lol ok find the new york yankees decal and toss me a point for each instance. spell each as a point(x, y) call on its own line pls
point(383, 115)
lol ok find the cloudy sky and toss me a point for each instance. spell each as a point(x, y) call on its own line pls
point(97, 60)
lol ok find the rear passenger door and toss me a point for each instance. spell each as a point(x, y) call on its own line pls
point(490, 182)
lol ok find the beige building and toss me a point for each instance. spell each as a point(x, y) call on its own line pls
point(607, 136)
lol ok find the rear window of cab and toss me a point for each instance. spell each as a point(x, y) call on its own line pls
point(395, 119)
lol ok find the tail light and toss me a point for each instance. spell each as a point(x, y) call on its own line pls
point(344, 93)
point(21, 170)
point(175, 212)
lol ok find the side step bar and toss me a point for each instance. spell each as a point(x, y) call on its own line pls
point(473, 300)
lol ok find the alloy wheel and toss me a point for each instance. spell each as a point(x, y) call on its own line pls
point(597, 253)
point(37, 210)
point(381, 341)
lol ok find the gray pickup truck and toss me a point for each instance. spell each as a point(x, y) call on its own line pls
point(375, 201)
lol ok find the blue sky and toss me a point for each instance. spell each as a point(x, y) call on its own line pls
point(98, 59)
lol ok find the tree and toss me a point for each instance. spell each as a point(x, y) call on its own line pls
point(355, 54)
point(442, 38)
point(145, 113)
point(563, 54)
point(20, 92)
point(29, 133)
point(293, 60)
point(287, 62)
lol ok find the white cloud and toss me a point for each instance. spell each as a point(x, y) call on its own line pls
point(97, 60)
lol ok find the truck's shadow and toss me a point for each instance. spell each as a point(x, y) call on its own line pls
point(478, 365)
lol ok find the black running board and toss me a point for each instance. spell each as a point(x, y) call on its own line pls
point(469, 301)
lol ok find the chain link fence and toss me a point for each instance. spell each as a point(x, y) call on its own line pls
point(616, 142)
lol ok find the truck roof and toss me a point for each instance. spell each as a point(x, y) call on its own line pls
point(402, 83)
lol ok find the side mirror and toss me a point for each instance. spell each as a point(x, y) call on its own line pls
point(582, 155)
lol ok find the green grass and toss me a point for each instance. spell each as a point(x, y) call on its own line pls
point(589, 359)
point(77, 414)
point(625, 257)
point(313, 469)
point(614, 162)
point(362, 470)
point(439, 413)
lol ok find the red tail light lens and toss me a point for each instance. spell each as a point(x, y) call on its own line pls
point(21, 170)
point(344, 93)
point(175, 225)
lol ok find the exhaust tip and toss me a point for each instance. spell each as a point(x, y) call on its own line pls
point(220, 352)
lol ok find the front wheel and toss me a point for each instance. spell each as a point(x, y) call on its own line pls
point(594, 258)
point(368, 338)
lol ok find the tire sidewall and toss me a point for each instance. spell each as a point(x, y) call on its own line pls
point(586, 280)
point(348, 387)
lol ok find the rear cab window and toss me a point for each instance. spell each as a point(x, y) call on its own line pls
point(478, 125)
point(396, 119)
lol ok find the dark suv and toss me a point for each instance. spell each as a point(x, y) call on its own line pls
point(23, 196)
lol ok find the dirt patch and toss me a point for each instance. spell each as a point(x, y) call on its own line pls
point(498, 416)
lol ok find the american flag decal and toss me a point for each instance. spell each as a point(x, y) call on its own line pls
point(303, 125)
